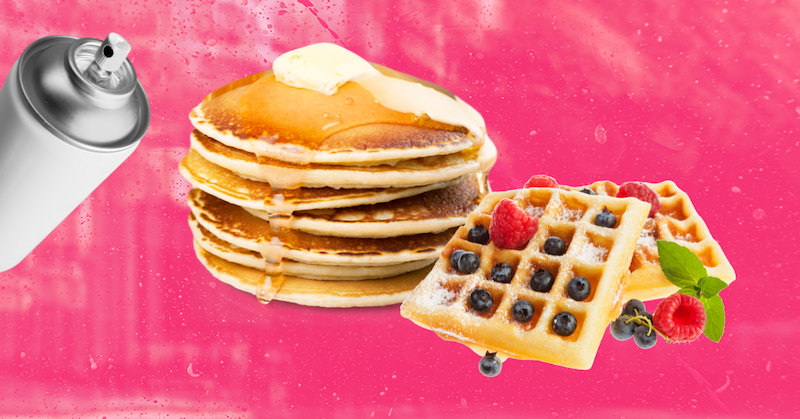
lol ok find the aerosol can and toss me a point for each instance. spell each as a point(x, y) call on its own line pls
point(71, 111)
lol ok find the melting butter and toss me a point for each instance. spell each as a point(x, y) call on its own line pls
point(325, 67)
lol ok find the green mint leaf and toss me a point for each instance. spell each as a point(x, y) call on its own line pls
point(680, 265)
point(692, 290)
point(715, 317)
point(711, 286)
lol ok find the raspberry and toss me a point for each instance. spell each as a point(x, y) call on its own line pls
point(680, 317)
point(511, 227)
point(641, 192)
point(541, 181)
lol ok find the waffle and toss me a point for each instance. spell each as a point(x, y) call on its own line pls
point(602, 255)
point(678, 222)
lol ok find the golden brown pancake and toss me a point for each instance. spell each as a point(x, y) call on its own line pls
point(238, 227)
point(252, 259)
point(430, 212)
point(405, 173)
point(367, 293)
point(229, 186)
point(347, 127)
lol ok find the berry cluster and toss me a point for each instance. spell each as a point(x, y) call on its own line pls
point(678, 318)
point(636, 323)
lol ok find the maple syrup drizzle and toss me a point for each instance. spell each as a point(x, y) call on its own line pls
point(279, 215)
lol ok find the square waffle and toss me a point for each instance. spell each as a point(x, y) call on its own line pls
point(679, 222)
point(601, 255)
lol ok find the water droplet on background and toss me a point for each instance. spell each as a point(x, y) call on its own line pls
point(600, 134)
point(759, 214)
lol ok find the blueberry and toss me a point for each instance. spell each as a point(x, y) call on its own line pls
point(455, 256)
point(588, 191)
point(642, 339)
point(579, 288)
point(502, 272)
point(478, 234)
point(633, 307)
point(480, 300)
point(490, 365)
point(469, 263)
point(605, 218)
point(564, 324)
point(555, 246)
point(621, 330)
point(522, 311)
point(542, 281)
point(648, 315)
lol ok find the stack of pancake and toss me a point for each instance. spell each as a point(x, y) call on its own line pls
point(331, 198)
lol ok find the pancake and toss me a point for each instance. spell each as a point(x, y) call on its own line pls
point(251, 259)
point(247, 193)
point(406, 173)
point(343, 128)
point(238, 227)
point(431, 212)
point(367, 293)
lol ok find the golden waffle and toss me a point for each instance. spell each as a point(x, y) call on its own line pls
point(679, 222)
point(601, 255)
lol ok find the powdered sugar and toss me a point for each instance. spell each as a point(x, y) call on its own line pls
point(647, 239)
point(593, 254)
point(688, 237)
point(571, 214)
point(534, 211)
point(436, 296)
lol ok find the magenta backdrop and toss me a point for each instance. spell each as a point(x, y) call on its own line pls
point(112, 315)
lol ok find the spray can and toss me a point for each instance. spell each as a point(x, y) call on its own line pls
point(71, 111)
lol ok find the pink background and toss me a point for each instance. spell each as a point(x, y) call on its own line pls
point(106, 316)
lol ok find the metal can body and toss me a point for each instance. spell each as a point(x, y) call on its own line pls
point(43, 177)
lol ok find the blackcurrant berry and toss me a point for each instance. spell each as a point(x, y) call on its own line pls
point(555, 246)
point(542, 281)
point(522, 311)
point(644, 337)
point(480, 300)
point(490, 365)
point(579, 288)
point(605, 218)
point(502, 272)
point(468, 263)
point(622, 330)
point(478, 234)
point(564, 324)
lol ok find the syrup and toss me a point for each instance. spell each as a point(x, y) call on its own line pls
point(279, 215)
point(291, 124)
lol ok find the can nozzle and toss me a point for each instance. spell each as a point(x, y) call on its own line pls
point(107, 59)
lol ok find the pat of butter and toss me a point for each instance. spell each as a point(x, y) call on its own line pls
point(320, 67)
point(325, 67)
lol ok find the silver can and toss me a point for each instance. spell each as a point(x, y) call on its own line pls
point(71, 111)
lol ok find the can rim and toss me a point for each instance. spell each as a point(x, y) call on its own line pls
point(130, 141)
